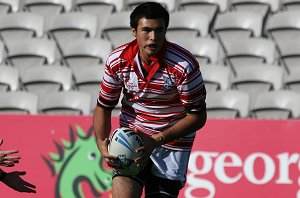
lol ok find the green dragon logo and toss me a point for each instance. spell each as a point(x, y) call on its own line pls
point(78, 160)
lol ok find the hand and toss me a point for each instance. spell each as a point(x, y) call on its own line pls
point(109, 159)
point(14, 181)
point(6, 157)
point(149, 145)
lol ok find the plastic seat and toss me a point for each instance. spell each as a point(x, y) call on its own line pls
point(21, 25)
point(240, 52)
point(9, 79)
point(26, 53)
point(205, 50)
point(117, 29)
point(65, 103)
point(100, 8)
point(289, 53)
point(227, 104)
point(88, 79)
point(211, 8)
point(261, 7)
point(216, 77)
point(291, 80)
point(3, 54)
point(18, 102)
point(48, 7)
point(185, 24)
point(237, 24)
point(259, 78)
point(9, 6)
point(290, 4)
point(68, 27)
point(44, 79)
point(283, 104)
point(169, 5)
point(85, 52)
point(282, 26)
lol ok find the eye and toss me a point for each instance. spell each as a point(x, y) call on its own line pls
point(91, 155)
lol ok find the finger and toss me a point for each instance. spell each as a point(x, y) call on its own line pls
point(9, 152)
point(140, 149)
point(29, 185)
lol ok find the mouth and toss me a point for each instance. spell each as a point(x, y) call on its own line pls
point(152, 47)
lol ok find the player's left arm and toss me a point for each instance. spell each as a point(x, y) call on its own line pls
point(189, 124)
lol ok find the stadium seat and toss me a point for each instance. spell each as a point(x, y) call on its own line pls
point(258, 78)
point(9, 6)
point(68, 27)
point(117, 29)
point(100, 8)
point(237, 24)
point(65, 103)
point(45, 79)
point(227, 104)
point(21, 25)
point(169, 5)
point(283, 25)
point(205, 50)
point(282, 104)
point(18, 102)
point(211, 8)
point(291, 80)
point(185, 24)
point(216, 77)
point(86, 52)
point(289, 53)
point(48, 7)
point(249, 51)
point(290, 5)
point(88, 79)
point(3, 54)
point(26, 53)
point(261, 7)
point(9, 78)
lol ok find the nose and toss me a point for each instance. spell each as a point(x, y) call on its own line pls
point(153, 35)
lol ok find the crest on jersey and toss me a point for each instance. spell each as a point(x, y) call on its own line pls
point(132, 84)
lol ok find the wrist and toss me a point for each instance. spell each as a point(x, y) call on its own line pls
point(2, 175)
point(159, 138)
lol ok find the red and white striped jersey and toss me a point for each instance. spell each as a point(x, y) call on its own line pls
point(152, 103)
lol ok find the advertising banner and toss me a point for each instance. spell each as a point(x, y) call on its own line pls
point(230, 158)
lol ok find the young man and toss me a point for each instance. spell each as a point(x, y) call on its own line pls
point(164, 100)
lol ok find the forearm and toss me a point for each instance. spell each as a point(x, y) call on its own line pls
point(102, 123)
point(185, 126)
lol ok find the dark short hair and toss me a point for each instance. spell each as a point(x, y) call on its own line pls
point(149, 10)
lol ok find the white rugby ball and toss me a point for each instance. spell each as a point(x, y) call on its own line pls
point(123, 144)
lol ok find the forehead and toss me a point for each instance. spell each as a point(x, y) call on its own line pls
point(151, 23)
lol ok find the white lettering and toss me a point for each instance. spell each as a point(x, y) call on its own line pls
point(249, 168)
point(284, 167)
point(222, 162)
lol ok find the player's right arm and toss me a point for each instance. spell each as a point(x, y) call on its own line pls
point(102, 128)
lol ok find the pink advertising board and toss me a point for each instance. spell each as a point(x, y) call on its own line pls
point(230, 158)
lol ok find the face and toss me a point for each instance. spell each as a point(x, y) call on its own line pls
point(150, 35)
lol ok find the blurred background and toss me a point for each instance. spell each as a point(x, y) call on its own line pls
point(52, 53)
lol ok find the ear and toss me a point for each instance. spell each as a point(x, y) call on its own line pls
point(133, 31)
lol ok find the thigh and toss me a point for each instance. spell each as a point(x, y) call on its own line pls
point(157, 187)
point(125, 187)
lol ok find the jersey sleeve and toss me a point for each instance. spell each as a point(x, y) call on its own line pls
point(110, 89)
point(192, 91)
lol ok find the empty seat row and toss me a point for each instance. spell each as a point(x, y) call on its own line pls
point(232, 104)
point(283, 104)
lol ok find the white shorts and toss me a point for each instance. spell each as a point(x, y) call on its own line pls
point(170, 164)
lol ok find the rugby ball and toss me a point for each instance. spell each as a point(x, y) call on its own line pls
point(123, 144)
